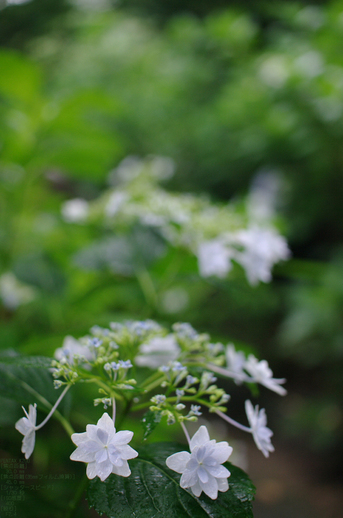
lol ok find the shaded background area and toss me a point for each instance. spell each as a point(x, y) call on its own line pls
point(235, 94)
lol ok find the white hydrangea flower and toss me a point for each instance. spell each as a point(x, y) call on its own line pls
point(262, 248)
point(27, 427)
point(159, 351)
point(260, 432)
point(201, 469)
point(260, 371)
point(214, 259)
point(75, 210)
point(103, 449)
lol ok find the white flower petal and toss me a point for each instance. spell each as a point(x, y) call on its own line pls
point(104, 469)
point(126, 452)
point(91, 430)
point(222, 452)
point(203, 475)
point(101, 456)
point(223, 484)
point(23, 426)
point(218, 471)
point(91, 470)
point(123, 471)
point(199, 438)
point(102, 435)
point(177, 462)
point(28, 443)
point(107, 424)
point(210, 487)
point(196, 489)
point(189, 478)
point(33, 414)
point(82, 455)
point(79, 438)
point(122, 437)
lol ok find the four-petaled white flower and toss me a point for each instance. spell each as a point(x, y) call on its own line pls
point(261, 373)
point(103, 449)
point(201, 469)
point(27, 427)
point(260, 432)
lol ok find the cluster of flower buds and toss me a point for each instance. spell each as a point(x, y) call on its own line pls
point(172, 374)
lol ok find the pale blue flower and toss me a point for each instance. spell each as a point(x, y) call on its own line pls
point(104, 450)
point(201, 469)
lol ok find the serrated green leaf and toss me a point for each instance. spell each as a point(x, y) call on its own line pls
point(149, 422)
point(153, 491)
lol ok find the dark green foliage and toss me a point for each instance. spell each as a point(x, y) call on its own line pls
point(153, 490)
point(27, 380)
point(149, 422)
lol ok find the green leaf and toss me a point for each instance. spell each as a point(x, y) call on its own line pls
point(149, 422)
point(27, 379)
point(153, 491)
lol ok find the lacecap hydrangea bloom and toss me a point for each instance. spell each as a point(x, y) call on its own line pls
point(202, 469)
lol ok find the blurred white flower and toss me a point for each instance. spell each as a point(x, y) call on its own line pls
point(262, 248)
point(27, 427)
point(13, 292)
point(214, 259)
point(115, 203)
point(201, 469)
point(261, 434)
point(264, 196)
point(72, 350)
point(103, 449)
point(261, 373)
point(159, 351)
point(235, 361)
point(75, 211)
point(174, 300)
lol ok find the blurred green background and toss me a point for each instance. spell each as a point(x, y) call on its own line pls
point(229, 91)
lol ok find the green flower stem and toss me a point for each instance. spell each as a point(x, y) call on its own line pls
point(147, 287)
point(105, 387)
point(152, 378)
point(53, 409)
point(57, 415)
point(174, 399)
point(74, 504)
point(154, 384)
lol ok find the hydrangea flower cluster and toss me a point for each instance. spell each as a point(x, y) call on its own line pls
point(217, 234)
point(140, 366)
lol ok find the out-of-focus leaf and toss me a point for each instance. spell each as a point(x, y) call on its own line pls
point(27, 379)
